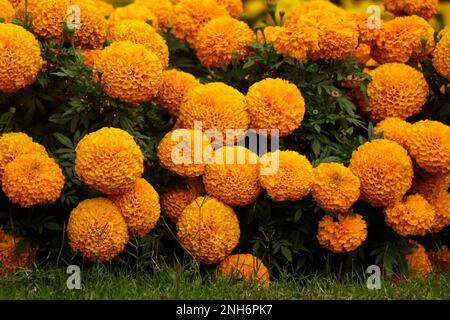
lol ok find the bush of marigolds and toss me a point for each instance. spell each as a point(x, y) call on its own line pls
point(253, 138)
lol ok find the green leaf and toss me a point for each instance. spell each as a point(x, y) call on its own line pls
point(286, 252)
point(63, 140)
point(298, 215)
point(52, 226)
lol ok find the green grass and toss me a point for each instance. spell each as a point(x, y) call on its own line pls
point(105, 282)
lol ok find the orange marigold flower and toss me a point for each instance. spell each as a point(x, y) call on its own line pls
point(396, 90)
point(191, 15)
point(422, 8)
point(367, 27)
point(175, 85)
point(163, 10)
point(430, 185)
point(441, 58)
point(286, 175)
point(418, 261)
point(104, 8)
point(297, 40)
point(97, 230)
point(20, 57)
point(221, 40)
point(7, 11)
point(232, 176)
point(142, 33)
point(175, 200)
point(129, 72)
point(93, 27)
point(385, 171)
point(401, 39)
point(10, 259)
point(270, 34)
point(362, 53)
point(394, 129)
point(48, 17)
point(304, 7)
point(15, 3)
point(344, 235)
point(139, 207)
point(133, 11)
point(245, 267)
point(275, 104)
point(184, 152)
point(411, 217)
point(335, 187)
point(234, 7)
point(440, 260)
point(428, 144)
point(89, 56)
point(441, 205)
point(109, 160)
point(208, 229)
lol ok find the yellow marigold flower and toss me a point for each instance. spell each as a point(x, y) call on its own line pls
point(217, 106)
point(191, 15)
point(430, 185)
point(184, 152)
point(335, 187)
point(396, 90)
point(304, 7)
point(208, 229)
point(287, 175)
point(245, 267)
point(428, 144)
point(297, 40)
point(440, 260)
point(418, 261)
point(422, 8)
point(142, 33)
point(48, 17)
point(362, 53)
point(7, 11)
point(104, 8)
point(367, 28)
point(133, 11)
point(232, 176)
point(394, 129)
point(344, 235)
point(270, 34)
point(129, 72)
point(222, 39)
point(385, 171)
point(10, 259)
point(175, 85)
point(441, 58)
point(275, 104)
point(15, 3)
point(93, 27)
point(400, 40)
point(175, 200)
point(20, 57)
point(163, 10)
point(89, 56)
point(15, 144)
point(411, 217)
point(139, 207)
point(109, 160)
point(441, 205)
point(97, 230)
point(234, 7)
point(32, 179)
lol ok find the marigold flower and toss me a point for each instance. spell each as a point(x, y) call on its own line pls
point(7, 11)
point(385, 171)
point(97, 230)
point(344, 235)
point(129, 72)
point(184, 152)
point(175, 200)
point(234, 7)
point(270, 34)
point(10, 259)
point(422, 8)
point(208, 229)
point(133, 11)
point(335, 187)
point(297, 40)
point(222, 39)
point(139, 207)
point(163, 10)
point(175, 85)
point(418, 261)
point(440, 202)
point(428, 144)
point(245, 267)
point(394, 129)
point(104, 8)
point(89, 56)
point(109, 160)
point(232, 176)
point(142, 33)
point(191, 15)
point(275, 104)
point(430, 185)
point(304, 7)
point(440, 259)
point(441, 58)
point(15, 3)
point(362, 53)
point(48, 17)
point(286, 175)
point(20, 57)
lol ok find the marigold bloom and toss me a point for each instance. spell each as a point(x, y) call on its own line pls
point(10, 259)
point(208, 229)
point(97, 230)
point(184, 152)
point(7, 11)
point(175, 85)
point(275, 104)
point(440, 259)
point(133, 11)
point(394, 129)
point(129, 72)
point(335, 187)
point(385, 171)
point(344, 235)
point(232, 176)
point(245, 267)
point(109, 160)
point(20, 57)
point(422, 8)
point(15, 3)
point(234, 7)
point(139, 207)
point(88, 56)
point(270, 34)
point(440, 202)
point(304, 7)
point(441, 58)
point(48, 17)
point(362, 53)
point(93, 27)
point(428, 144)
point(396, 90)
point(104, 8)
point(222, 39)
point(430, 185)
point(163, 10)
point(418, 261)
point(297, 40)
point(289, 175)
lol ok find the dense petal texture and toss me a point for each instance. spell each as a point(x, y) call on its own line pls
point(10, 258)
point(394, 129)
point(245, 267)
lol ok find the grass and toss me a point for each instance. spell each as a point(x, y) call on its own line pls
point(105, 282)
